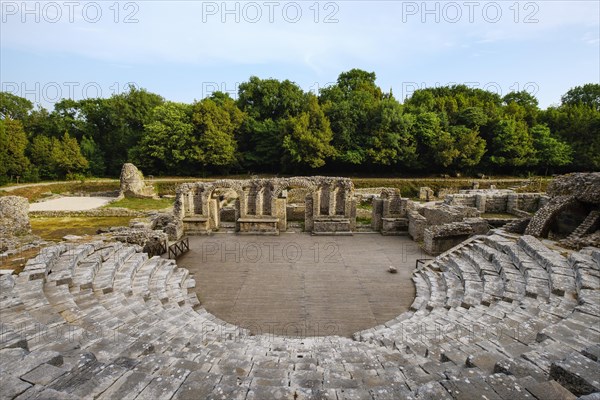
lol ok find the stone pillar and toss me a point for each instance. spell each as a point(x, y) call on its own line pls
point(238, 213)
point(332, 201)
point(377, 214)
point(425, 193)
point(213, 213)
point(309, 212)
point(258, 201)
point(352, 213)
point(480, 200)
point(512, 203)
point(280, 212)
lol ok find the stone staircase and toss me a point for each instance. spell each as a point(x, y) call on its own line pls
point(496, 316)
point(591, 222)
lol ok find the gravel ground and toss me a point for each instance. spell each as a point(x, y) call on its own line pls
point(70, 204)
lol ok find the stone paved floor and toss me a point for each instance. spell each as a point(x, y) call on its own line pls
point(302, 285)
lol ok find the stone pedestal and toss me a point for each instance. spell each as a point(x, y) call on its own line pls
point(394, 226)
point(258, 226)
point(332, 225)
point(196, 225)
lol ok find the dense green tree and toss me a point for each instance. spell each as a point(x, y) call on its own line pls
point(14, 107)
point(511, 145)
point(13, 142)
point(265, 99)
point(586, 95)
point(216, 135)
point(435, 145)
point(168, 143)
point(91, 151)
point(67, 156)
point(40, 153)
point(350, 105)
point(392, 141)
point(579, 126)
point(307, 137)
point(472, 117)
point(550, 152)
point(267, 103)
point(470, 146)
point(275, 126)
point(521, 105)
point(261, 144)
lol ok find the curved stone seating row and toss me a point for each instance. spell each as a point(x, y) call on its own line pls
point(530, 300)
point(140, 334)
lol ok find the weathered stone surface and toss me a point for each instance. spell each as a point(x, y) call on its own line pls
point(43, 375)
point(580, 190)
point(468, 389)
point(150, 240)
point(577, 373)
point(584, 187)
point(14, 218)
point(133, 184)
point(329, 201)
point(14, 221)
point(550, 390)
point(133, 331)
point(11, 386)
point(439, 238)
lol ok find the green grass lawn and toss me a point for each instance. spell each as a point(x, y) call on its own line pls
point(142, 204)
point(54, 228)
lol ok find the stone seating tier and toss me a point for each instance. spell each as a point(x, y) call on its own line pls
point(495, 317)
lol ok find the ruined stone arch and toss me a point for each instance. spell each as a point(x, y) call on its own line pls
point(542, 220)
point(279, 185)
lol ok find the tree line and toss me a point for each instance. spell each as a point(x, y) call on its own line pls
point(274, 126)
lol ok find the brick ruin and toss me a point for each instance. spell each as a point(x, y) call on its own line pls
point(261, 205)
point(572, 213)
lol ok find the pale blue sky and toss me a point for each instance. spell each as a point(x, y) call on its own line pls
point(185, 49)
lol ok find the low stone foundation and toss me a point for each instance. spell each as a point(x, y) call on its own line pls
point(440, 238)
point(258, 226)
point(331, 226)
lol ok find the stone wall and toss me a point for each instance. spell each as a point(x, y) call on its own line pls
point(261, 203)
point(154, 242)
point(389, 212)
point(567, 193)
point(439, 238)
point(444, 214)
point(495, 201)
point(416, 225)
point(585, 187)
point(14, 216)
point(14, 221)
point(227, 214)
